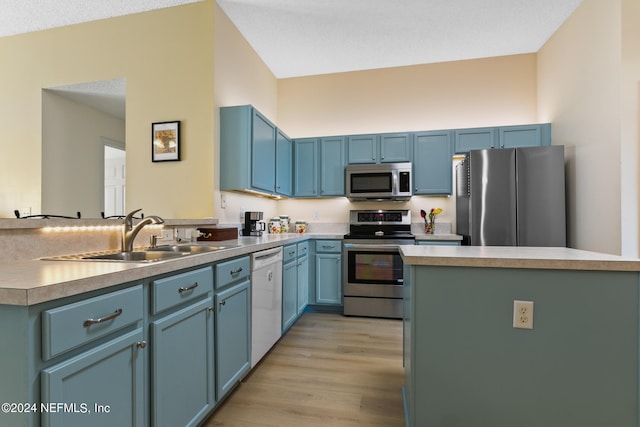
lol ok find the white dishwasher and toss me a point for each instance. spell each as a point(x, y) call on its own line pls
point(266, 301)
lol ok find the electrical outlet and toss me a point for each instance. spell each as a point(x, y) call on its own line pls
point(523, 314)
point(25, 211)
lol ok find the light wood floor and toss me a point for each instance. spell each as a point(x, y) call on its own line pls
point(327, 371)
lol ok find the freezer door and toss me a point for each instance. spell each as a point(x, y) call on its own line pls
point(493, 197)
point(541, 196)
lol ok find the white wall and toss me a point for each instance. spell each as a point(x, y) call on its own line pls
point(579, 90)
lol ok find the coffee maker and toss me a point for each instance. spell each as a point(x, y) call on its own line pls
point(253, 224)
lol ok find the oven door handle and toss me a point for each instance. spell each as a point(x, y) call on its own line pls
point(371, 247)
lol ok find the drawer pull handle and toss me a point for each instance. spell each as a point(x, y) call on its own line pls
point(232, 272)
point(328, 246)
point(188, 288)
point(111, 316)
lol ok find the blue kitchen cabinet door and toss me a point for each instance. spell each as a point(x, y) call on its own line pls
point(182, 366)
point(289, 294)
point(233, 336)
point(332, 163)
point(328, 278)
point(303, 283)
point(284, 164)
point(362, 149)
point(395, 147)
point(525, 135)
point(432, 164)
point(475, 139)
point(305, 167)
point(111, 375)
point(263, 153)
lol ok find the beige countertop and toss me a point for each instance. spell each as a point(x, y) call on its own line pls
point(516, 257)
point(36, 281)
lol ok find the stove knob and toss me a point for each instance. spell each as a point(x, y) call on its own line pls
point(379, 233)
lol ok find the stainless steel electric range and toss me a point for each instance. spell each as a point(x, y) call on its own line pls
point(372, 263)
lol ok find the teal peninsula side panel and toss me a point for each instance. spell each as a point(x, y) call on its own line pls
point(468, 366)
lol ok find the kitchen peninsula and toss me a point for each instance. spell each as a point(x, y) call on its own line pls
point(97, 341)
point(466, 364)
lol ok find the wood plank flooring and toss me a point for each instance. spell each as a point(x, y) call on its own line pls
point(328, 370)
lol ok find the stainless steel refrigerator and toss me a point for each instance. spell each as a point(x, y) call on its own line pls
point(512, 197)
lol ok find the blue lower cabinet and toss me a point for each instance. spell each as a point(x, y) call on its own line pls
point(289, 294)
point(303, 283)
point(182, 379)
point(103, 386)
point(233, 336)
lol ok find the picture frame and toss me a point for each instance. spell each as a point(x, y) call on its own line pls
point(165, 141)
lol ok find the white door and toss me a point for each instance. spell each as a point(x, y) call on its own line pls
point(114, 180)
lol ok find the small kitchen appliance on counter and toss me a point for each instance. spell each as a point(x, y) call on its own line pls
point(372, 264)
point(253, 224)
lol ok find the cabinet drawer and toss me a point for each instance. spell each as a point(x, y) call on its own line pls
point(175, 290)
point(289, 253)
point(231, 271)
point(333, 246)
point(73, 325)
point(303, 249)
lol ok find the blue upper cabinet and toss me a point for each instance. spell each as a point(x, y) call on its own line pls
point(284, 164)
point(475, 139)
point(533, 135)
point(382, 148)
point(263, 154)
point(525, 136)
point(432, 164)
point(363, 149)
point(395, 147)
point(332, 163)
point(305, 171)
point(319, 167)
point(248, 152)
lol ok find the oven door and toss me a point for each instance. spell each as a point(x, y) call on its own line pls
point(372, 270)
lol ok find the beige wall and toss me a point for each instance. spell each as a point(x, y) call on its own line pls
point(240, 78)
point(579, 82)
point(166, 57)
point(482, 92)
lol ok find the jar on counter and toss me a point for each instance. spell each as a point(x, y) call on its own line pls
point(301, 227)
point(284, 223)
point(275, 225)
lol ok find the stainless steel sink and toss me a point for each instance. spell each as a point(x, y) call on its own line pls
point(187, 249)
point(136, 256)
point(159, 253)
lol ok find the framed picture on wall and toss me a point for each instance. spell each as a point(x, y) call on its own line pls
point(165, 141)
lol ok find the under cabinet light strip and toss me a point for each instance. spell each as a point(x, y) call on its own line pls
point(82, 228)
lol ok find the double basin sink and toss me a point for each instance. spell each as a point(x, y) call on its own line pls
point(159, 253)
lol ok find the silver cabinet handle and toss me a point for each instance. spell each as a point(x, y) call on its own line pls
point(141, 344)
point(223, 302)
point(232, 272)
point(188, 288)
point(328, 246)
point(113, 315)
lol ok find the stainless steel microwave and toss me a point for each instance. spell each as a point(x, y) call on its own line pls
point(384, 181)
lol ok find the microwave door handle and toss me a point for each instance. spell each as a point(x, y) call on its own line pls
point(394, 183)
